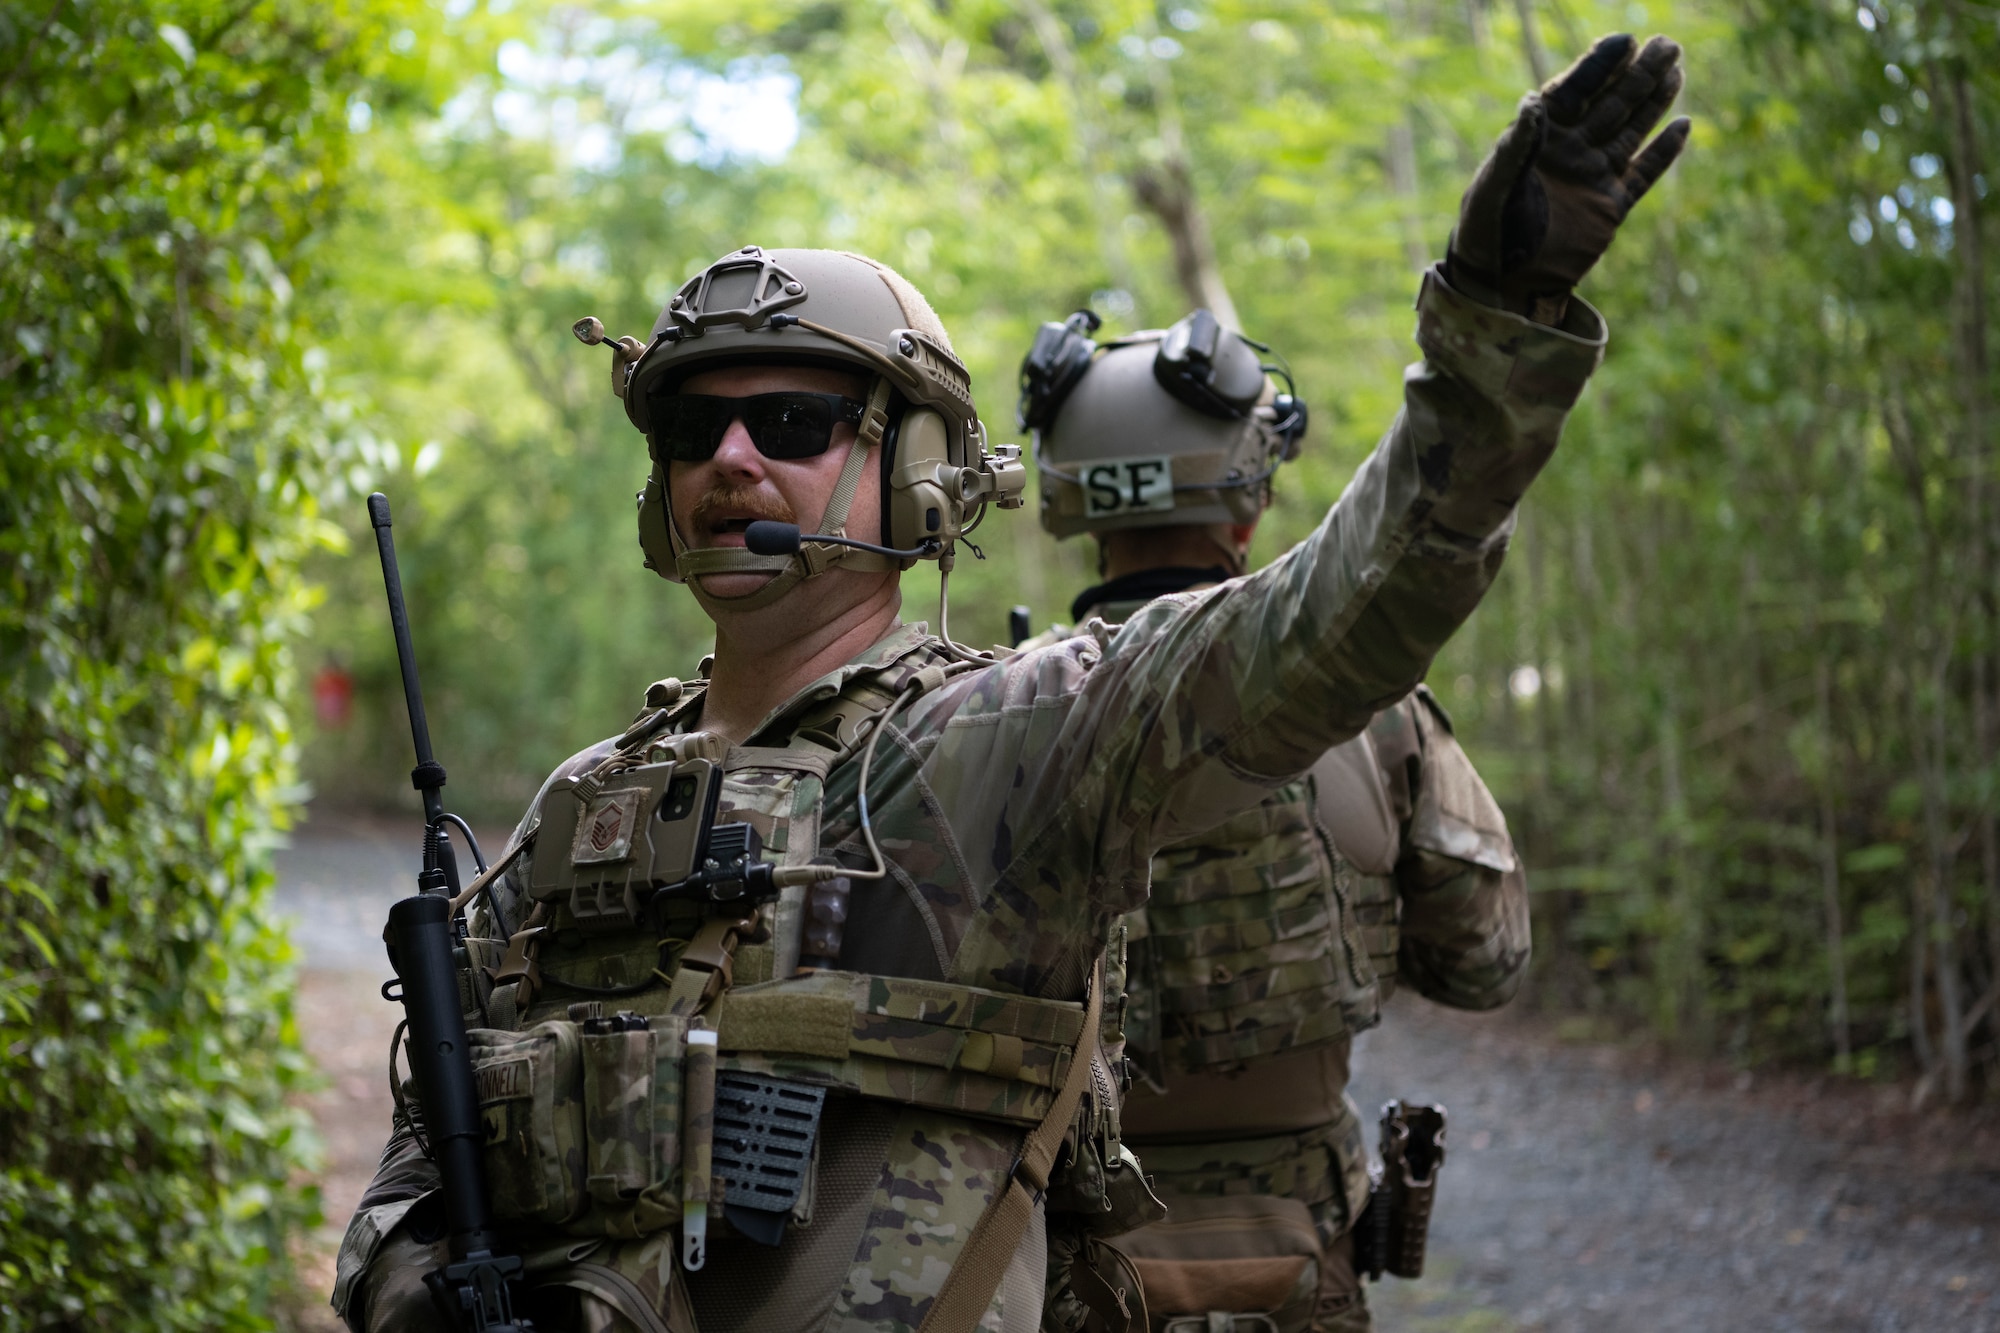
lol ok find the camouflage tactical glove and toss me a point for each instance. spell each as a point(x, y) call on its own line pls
point(1550, 196)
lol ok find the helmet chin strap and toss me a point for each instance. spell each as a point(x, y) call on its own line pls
point(812, 558)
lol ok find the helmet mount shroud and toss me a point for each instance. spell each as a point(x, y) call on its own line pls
point(1166, 427)
point(844, 311)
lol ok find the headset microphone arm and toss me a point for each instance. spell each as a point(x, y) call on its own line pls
point(769, 537)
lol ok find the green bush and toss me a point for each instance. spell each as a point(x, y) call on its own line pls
point(165, 170)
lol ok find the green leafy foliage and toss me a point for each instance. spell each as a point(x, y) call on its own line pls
point(1737, 684)
point(166, 173)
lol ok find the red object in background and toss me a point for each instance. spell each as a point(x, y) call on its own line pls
point(333, 695)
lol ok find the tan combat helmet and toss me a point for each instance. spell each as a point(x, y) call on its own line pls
point(828, 308)
point(1161, 428)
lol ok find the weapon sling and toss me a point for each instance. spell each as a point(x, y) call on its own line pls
point(969, 1287)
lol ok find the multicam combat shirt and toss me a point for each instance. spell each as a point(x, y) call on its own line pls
point(1022, 803)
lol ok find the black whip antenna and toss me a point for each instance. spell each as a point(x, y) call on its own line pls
point(480, 1283)
point(440, 872)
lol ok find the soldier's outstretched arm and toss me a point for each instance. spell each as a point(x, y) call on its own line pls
point(1271, 671)
point(1204, 699)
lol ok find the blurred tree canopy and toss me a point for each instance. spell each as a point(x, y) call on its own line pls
point(1737, 684)
point(1736, 687)
point(167, 171)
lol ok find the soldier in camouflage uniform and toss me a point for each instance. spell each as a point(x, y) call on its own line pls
point(1272, 939)
point(932, 965)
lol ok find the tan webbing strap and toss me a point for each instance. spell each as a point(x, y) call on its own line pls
point(969, 1287)
point(494, 871)
point(521, 968)
point(874, 420)
point(705, 967)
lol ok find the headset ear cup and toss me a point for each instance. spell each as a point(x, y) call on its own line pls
point(655, 537)
point(920, 508)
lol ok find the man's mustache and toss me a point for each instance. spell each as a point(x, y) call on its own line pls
point(743, 503)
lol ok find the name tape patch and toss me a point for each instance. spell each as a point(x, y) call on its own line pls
point(504, 1082)
point(1127, 486)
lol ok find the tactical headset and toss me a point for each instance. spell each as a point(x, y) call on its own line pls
point(843, 311)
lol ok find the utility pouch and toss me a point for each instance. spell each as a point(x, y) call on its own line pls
point(583, 1121)
point(619, 1055)
point(1237, 1264)
point(1104, 1189)
point(1393, 1231)
point(530, 1101)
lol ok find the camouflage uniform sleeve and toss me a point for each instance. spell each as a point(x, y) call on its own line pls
point(1465, 932)
point(1250, 682)
point(1213, 697)
point(1056, 773)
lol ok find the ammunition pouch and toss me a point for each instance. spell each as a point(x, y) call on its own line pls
point(583, 1122)
point(584, 1116)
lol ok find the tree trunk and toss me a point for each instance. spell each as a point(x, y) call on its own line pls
point(1475, 26)
point(1829, 837)
point(1531, 42)
point(1168, 190)
point(1679, 1001)
point(1974, 368)
point(1055, 44)
point(1935, 636)
point(1400, 151)
point(1951, 1006)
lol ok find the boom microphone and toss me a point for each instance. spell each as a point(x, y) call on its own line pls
point(769, 537)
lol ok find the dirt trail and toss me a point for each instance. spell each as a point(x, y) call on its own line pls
point(1587, 1188)
point(1593, 1188)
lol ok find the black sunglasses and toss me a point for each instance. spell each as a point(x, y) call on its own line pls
point(689, 427)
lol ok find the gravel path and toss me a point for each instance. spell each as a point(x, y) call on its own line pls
point(1588, 1187)
point(1594, 1188)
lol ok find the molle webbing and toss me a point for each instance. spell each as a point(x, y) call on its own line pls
point(953, 1048)
point(1376, 913)
point(1307, 1166)
point(832, 724)
point(1247, 947)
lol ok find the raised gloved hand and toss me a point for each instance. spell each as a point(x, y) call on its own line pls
point(1549, 197)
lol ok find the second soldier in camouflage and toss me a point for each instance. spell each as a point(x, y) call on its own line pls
point(1273, 938)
